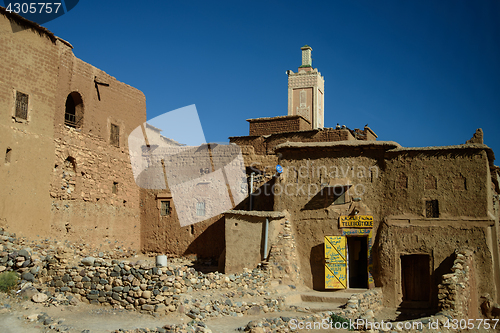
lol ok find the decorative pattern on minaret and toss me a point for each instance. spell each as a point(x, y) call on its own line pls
point(306, 91)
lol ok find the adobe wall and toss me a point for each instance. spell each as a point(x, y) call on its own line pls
point(455, 177)
point(188, 172)
point(95, 200)
point(65, 182)
point(165, 235)
point(264, 145)
point(313, 218)
point(28, 63)
point(245, 237)
point(283, 124)
point(382, 194)
point(398, 238)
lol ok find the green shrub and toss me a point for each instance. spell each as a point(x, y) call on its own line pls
point(339, 319)
point(8, 280)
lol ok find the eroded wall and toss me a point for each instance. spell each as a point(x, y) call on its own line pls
point(74, 180)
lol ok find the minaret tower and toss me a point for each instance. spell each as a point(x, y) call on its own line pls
point(306, 91)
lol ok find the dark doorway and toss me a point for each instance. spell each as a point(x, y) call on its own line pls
point(358, 261)
point(415, 277)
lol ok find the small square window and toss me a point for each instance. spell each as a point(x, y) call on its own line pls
point(200, 208)
point(431, 209)
point(114, 136)
point(165, 208)
point(115, 188)
point(21, 105)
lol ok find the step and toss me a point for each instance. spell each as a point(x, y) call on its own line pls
point(316, 306)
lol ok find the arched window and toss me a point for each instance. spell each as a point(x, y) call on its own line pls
point(73, 116)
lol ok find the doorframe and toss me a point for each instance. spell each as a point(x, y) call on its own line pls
point(399, 280)
point(352, 232)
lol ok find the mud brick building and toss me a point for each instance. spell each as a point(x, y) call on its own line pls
point(401, 213)
point(65, 169)
point(402, 216)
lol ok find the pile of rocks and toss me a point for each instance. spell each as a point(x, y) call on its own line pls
point(12, 258)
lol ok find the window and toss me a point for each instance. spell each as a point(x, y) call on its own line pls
point(8, 154)
point(21, 105)
point(431, 209)
point(73, 115)
point(165, 208)
point(114, 136)
point(339, 198)
point(115, 188)
point(200, 208)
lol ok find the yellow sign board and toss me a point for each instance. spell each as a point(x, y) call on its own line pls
point(356, 221)
point(335, 262)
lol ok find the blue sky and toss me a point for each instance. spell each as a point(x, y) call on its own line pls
point(421, 73)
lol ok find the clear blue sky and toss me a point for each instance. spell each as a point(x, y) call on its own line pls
point(421, 73)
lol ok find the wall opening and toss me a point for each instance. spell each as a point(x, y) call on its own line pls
point(73, 115)
point(415, 277)
point(8, 155)
point(114, 135)
point(68, 179)
point(21, 105)
point(165, 208)
point(114, 189)
point(357, 247)
point(431, 209)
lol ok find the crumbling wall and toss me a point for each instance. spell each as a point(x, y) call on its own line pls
point(283, 258)
point(404, 237)
point(457, 291)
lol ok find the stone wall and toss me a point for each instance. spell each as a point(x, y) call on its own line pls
point(364, 305)
point(457, 292)
point(283, 258)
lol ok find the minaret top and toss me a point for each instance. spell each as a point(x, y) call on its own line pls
point(306, 56)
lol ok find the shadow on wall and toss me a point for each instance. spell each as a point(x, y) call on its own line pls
point(437, 276)
point(211, 242)
point(263, 198)
point(317, 261)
